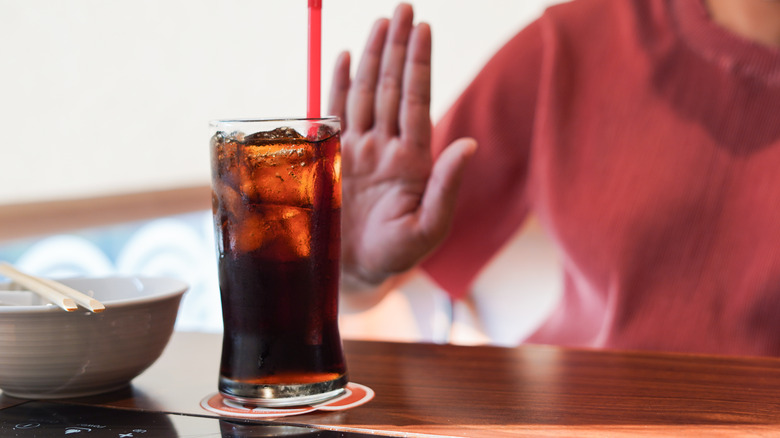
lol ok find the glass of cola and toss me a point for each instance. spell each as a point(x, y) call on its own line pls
point(276, 199)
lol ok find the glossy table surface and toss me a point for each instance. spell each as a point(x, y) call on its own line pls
point(428, 389)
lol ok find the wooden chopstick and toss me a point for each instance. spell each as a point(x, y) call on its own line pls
point(41, 289)
point(58, 293)
point(84, 300)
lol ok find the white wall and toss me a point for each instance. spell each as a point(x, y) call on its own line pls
point(100, 97)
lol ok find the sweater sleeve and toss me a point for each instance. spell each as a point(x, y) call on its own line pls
point(497, 109)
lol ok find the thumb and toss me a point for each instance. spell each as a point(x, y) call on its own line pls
point(441, 192)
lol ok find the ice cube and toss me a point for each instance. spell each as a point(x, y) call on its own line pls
point(278, 134)
point(248, 233)
point(322, 133)
point(297, 224)
point(286, 232)
point(224, 159)
point(278, 174)
point(242, 230)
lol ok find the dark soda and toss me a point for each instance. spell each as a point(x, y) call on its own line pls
point(277, 209)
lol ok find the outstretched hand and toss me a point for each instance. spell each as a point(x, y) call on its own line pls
point(397, 199)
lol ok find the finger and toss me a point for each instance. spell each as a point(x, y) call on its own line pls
point(392, 69)
point(360, 99)
point(339, 88)
point(438, 203)
point(415, 111)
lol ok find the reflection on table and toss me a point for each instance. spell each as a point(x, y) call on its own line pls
point(493, 391)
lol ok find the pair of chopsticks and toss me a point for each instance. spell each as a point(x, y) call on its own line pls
point(63, 296)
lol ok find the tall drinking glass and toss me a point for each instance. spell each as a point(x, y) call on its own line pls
point(277, 214)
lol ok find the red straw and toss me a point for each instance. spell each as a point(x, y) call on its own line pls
point(315, 43)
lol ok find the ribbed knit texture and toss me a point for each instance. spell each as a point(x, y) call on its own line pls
point(646, 139)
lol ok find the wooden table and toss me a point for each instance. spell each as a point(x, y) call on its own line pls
point(494, 392)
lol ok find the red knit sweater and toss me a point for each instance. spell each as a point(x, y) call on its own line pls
point(647, 141)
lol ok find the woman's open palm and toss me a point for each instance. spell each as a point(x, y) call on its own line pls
point(397, 198)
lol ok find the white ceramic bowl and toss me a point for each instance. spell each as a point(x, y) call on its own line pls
point(46, 352)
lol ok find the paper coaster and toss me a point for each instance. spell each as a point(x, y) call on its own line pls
point(355, 394)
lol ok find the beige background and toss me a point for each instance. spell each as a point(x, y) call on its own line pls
point(102, 97)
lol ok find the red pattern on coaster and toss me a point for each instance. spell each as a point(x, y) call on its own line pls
point(354, 395)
